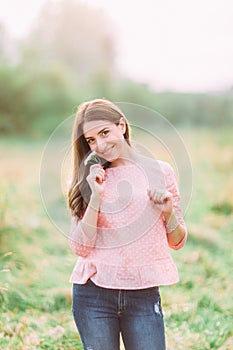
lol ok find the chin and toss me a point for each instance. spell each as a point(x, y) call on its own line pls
point(111, 159)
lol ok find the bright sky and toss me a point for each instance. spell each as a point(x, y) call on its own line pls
point(181, 45)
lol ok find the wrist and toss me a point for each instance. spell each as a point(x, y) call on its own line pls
point(168, 216)
point(171, 222)
point(95, 200)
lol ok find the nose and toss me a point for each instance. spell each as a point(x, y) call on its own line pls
point(100, 146)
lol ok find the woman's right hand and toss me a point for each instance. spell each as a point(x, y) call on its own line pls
point(96, 179)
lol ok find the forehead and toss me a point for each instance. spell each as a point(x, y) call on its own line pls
point(94, 126)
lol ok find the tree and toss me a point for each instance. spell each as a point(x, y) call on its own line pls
point(73, 35)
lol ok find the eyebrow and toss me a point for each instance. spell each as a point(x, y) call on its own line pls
point(90, 137)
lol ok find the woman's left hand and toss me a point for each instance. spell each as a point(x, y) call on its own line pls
point(162, 200)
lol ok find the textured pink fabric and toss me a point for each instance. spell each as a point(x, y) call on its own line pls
point(130, 248)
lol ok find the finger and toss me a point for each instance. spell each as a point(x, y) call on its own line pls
point(95, 167)
point(157, 196)
point(96, 173)
point(167, 196)
point(152, 194)
point(100, 174)
point(149, 193)
point(99, 178)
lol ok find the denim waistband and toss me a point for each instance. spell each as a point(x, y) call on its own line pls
point(91, 283)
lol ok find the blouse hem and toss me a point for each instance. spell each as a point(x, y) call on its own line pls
point(128, 288)
point(161, 273)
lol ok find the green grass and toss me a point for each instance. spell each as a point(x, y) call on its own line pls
point(36, 262)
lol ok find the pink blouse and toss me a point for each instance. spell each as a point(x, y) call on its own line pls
point(130, 249)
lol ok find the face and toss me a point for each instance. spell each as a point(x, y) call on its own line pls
point(105, 138)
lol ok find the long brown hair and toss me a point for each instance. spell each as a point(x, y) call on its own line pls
point(98, 109)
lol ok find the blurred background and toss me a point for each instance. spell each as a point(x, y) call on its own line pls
point(174, 57)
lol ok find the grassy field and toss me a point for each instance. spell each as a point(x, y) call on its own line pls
point(35, 259)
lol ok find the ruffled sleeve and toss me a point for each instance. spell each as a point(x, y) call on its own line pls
point(81, 245)
point(172, 186)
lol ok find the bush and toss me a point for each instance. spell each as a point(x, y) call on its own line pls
point(32, 99)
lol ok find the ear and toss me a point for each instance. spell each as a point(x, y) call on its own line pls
point(122, 125)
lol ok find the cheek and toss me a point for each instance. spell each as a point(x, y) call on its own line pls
point(92, 146)
point(117, 137)
point(118, 143)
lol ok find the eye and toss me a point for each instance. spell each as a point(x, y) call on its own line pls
point(90, 141)
point(105, 132)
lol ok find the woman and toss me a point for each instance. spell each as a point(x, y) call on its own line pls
point(125, 216)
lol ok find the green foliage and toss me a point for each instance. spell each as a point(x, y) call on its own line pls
point(74, 35)
point(225, 208)
point(32, 100)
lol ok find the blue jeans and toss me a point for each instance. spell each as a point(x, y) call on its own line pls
point(101, 314)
